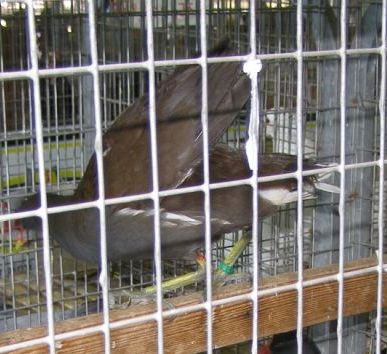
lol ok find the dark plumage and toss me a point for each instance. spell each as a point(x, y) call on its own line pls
point(127, 167)
point(179, 139)
point(130, 226)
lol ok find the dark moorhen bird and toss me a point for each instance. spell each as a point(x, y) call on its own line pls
point(130, 226)
point(127, 170)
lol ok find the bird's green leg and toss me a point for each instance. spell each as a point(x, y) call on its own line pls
point(182, 280)
point(148, 294)
point(224, 269)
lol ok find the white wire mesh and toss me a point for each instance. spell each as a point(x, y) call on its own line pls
point(292, 239)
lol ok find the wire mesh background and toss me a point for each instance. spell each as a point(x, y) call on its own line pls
point(69, 131)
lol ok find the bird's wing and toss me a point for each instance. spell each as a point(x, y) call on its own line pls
point(273, 164)
point(228, 91)
point(276, 163)
point(179, 132)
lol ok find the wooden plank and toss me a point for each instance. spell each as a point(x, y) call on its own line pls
point(232, 322)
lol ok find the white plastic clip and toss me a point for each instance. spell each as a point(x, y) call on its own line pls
point(252, 67)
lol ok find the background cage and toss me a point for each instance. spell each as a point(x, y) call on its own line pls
point(63, 38)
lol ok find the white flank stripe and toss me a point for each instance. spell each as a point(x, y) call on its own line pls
point(180, 217)
point(220, 221)
point(130, 211)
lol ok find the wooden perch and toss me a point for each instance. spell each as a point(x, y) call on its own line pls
point(186, 333)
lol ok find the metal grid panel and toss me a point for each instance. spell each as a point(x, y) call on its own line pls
point(287, 95)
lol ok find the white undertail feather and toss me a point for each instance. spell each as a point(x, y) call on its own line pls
point(325, 175)
point(326, 187)
point(282, 196)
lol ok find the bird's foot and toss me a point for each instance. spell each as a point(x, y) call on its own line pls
point(221, 274)
point(234, 278)
point(224, 274)
point(137, 298)
point(130, 298)
point(148, 295)
point(133, 298)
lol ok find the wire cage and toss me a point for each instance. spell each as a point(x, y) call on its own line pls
point(323, 70)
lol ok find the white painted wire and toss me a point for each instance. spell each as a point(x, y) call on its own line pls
point(190, 308)
point(155, 175)
point(42, 182)
point(103, 278)
point(34, 73)
point(102, 68)
point(382, 109)
point(206, 188)
point(170, 192)
point(343, 77)
point(300, 227)
point(254, 107)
